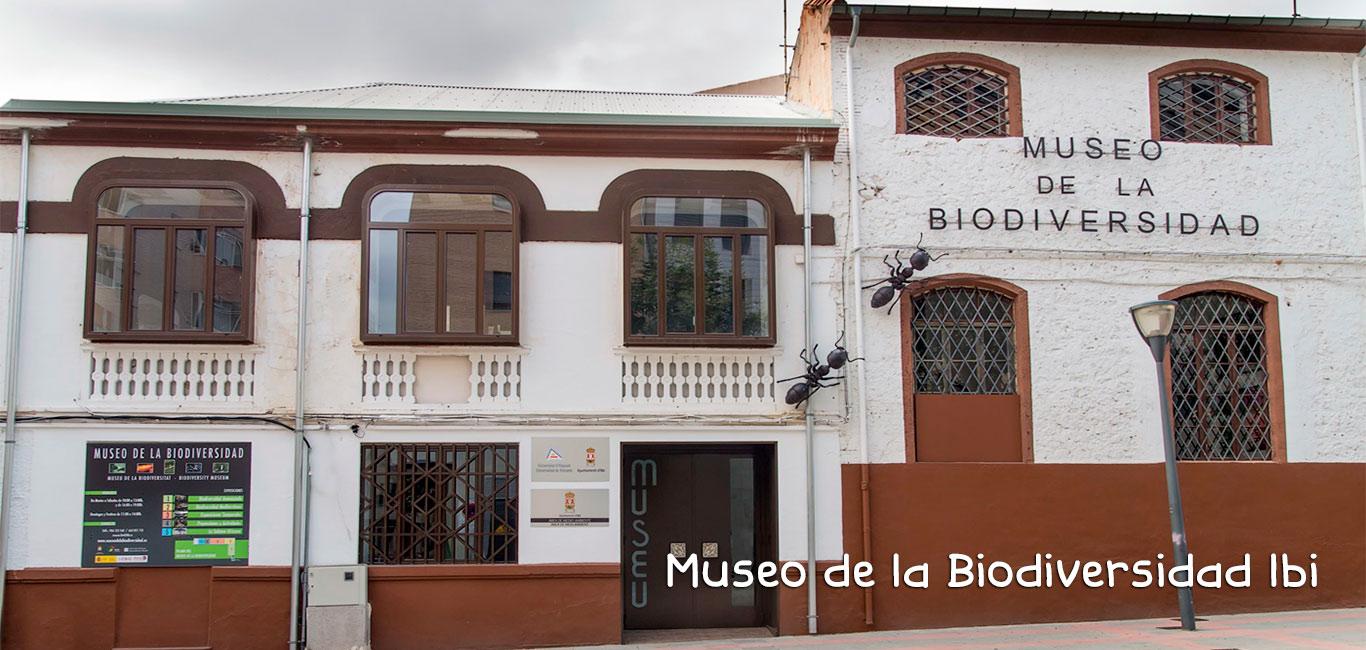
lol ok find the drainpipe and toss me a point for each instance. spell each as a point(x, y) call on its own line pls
point(1361, 125)
point(298, 553)
point(856, 249)
point(810, 417)
point(16, 289)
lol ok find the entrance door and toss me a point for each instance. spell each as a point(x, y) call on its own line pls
point(713, 502)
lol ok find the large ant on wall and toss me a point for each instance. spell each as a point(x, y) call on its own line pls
point(817, 373)
point(900, 275)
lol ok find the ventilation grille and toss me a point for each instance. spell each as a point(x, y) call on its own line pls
point(151, 375)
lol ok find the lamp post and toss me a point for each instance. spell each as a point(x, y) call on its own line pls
point(1154, 322)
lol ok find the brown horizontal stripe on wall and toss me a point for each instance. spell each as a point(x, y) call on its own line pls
point(273, 220)
point(1034, 30)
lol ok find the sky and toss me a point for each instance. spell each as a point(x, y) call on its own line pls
point(131, 50)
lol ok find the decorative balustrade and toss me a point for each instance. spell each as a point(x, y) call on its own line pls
point(742, 378)
point(171, 375)
point(407, 377)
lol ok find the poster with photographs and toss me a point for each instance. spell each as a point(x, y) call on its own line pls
point(166, 504)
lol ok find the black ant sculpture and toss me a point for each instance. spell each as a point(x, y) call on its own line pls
point(818, 373)
point(900, 275)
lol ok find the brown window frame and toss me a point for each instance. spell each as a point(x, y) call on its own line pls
point(167, 334)
point(665, 339)
point(374, 541)
point(1010, 73)
point(1271, 344)
point(1019, 313)
point(438, 337)
point(1261, 96)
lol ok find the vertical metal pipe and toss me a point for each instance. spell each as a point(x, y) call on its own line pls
point(1357, 100)
point(810, 417)
point(16, 290)
point(300, 537)
point(855, 245)
point(1180, 556)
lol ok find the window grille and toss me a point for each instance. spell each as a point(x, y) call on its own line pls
point(438, 503)
point(1207, 107)
point(956, 101)
point(964, 341)
point(1220, 400)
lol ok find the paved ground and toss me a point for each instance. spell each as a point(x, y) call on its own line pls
point(1335, 628)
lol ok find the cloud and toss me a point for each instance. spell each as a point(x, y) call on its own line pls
point(128, 50)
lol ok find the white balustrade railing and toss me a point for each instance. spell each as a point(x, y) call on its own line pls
point(391, 377)
point(741, 378)
point(170, 375)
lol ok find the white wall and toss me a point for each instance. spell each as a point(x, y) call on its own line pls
point(1094, 393)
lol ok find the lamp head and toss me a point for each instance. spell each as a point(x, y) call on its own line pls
point(1154, 319)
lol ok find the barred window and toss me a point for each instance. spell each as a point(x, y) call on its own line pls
point(964, 342)
point(1220, 398)
point(1208, 101)
point(450, 503)
point(958, 96)
point(1207, 107)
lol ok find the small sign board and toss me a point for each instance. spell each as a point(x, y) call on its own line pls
point(569, 508)
point(166, 503)
point(579, 460)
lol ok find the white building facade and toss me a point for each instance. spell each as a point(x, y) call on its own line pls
point(545, 333)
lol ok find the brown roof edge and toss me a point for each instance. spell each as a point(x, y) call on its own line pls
point(360, 136)
point(1127, 29)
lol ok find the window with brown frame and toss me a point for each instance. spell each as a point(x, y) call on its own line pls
point(958, 95)
point(1221, 395)
point(440, 267)
point(1207, 101)
point(445, 503)
point(170, 264)
point(964, 342)
point(699, 272)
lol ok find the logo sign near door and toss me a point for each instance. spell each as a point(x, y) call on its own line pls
point(166, 504)
point(570, 459)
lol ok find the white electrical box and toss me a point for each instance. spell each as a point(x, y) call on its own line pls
point(335, 586)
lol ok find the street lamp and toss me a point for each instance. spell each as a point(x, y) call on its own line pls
point(1154, 322)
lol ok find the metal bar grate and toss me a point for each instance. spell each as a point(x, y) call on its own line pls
point(964, 342)
point(1220, 401)
point(956, 101)
point(1207, 107)
point(438, 503)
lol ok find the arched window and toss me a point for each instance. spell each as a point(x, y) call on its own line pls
point(966, 342)
point(1226, 374)
point(170, 262)
point(1210, 102)
point(699, 271)
point(958, 95)
point(440, 266)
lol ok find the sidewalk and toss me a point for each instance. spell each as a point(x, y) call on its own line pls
point(1331, 628)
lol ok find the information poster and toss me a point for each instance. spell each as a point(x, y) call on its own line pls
point(571, 459)
point(572, 508)
point(166, 504)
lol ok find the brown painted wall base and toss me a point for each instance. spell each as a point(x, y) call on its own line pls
point(1009, 512)
point(495, 606)
point(924, 511)
point(219, 607)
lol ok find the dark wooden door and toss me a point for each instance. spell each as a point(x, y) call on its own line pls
point(704, 502)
